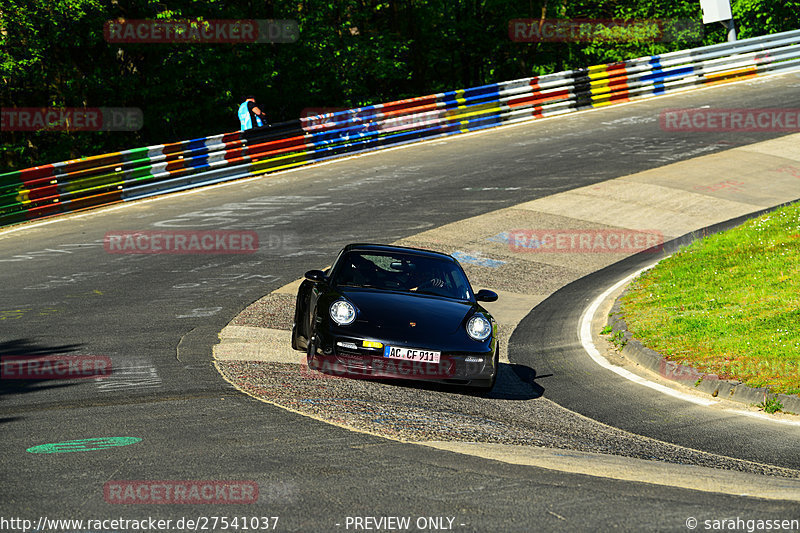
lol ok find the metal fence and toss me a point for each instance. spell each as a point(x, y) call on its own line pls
point(142, 172)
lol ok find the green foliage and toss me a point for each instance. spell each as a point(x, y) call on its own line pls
point(759, 17)
point(618, 339)
point(350, 53)
point(771, 405)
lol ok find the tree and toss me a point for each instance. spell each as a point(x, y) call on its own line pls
point(350, 53)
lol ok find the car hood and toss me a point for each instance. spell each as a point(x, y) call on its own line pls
point(392, 313)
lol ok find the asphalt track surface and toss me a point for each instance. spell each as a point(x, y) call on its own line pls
point(546, 340)
point(157, 317)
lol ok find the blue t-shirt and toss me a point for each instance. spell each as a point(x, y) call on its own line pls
point(247, 118)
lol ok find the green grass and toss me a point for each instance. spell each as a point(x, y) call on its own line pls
point(728, 304)
point(771, 405)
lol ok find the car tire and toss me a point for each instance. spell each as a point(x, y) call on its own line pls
point(294, 337)
point(311, 350)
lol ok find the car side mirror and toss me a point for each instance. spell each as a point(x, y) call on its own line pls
point(316, 276)
point(485, 295)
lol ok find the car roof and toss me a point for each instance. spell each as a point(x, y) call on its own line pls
point(366, 247)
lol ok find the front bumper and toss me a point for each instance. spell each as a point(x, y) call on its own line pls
point(345, 355)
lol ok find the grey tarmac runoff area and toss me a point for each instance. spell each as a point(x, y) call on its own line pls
point(561, 444)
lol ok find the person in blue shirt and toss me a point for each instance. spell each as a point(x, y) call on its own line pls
point(250, 115)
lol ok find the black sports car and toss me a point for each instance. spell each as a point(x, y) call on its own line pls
point(394, 312)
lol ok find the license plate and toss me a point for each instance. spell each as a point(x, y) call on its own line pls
point(411, 354)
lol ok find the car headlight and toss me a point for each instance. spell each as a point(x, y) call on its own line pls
point(479, 328)
point(343, 312)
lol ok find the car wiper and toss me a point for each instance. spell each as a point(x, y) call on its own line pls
point(431, 293)
point(360, 285)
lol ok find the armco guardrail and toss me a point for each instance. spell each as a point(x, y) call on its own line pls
point(142, 172)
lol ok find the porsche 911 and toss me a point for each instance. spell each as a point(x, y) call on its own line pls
point(394, 312)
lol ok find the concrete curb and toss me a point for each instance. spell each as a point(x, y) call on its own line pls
point(688, 376)
point(630, 469)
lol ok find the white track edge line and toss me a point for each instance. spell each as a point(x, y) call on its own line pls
point(762, 416)
point(585, 335)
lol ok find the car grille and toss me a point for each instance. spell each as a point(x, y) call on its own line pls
point(361, 358)
point(347, 351)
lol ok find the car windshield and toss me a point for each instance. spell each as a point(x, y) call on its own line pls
point(402, 272)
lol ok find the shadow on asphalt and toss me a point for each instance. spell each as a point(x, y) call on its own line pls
point(514, 382)
point(30, 350)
